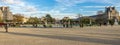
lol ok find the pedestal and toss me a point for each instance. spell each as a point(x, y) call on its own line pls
point(116, 22)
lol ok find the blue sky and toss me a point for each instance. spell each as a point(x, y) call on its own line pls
point(58, 8)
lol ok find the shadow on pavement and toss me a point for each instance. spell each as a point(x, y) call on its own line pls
point(105, 34)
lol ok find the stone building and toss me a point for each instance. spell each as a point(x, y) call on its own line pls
point(5, 14)
point(112, 13)
point(109, 14)
point(1, 14)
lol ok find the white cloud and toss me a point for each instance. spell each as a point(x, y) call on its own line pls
point(74, 2)
point(61, 15)
point(19, 6)
point(93, 6)
point(11, 1)
point(65, 4)
point(70, 2)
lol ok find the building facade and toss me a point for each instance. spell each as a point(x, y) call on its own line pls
point(110, 13)
point(5, 14)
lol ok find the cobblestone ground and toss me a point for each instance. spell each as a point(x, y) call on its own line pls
point(104, 35)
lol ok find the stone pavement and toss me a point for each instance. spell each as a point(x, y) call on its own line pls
point(61, 36)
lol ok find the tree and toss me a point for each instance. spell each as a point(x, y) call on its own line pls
point(101, 21)
point(49, 18)
point(66, 21)
point(44, 22)
point(111, 22)
point(34, 21)
point(87, 21)
point(18, 18)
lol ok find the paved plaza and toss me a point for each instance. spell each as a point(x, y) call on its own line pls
point(104, 35)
